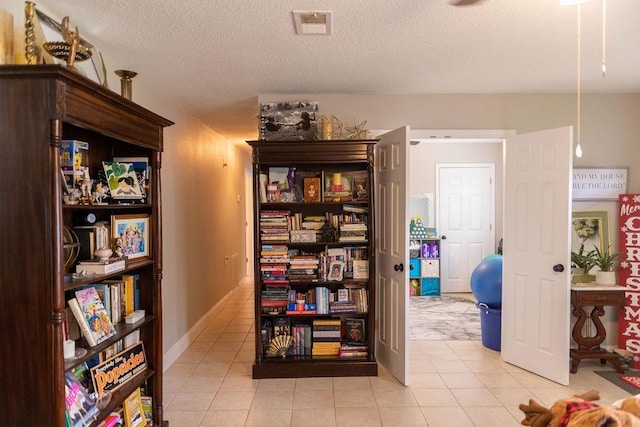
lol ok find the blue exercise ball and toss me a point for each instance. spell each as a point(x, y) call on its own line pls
point(492, 256)
point(486, 282)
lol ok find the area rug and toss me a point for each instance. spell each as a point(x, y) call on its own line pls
point(444, 318)
point(629, 381)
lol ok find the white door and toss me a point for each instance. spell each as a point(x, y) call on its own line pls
point(537, 217)
point(466, 206)
point(392, 252)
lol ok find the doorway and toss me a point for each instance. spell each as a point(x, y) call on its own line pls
point(485, 154)
point(466, 221)
point(426, 155)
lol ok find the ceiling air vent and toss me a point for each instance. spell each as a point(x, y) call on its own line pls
point(312, 22)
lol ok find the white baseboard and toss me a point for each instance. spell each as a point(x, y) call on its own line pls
point(187, 339)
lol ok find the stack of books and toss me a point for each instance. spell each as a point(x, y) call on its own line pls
point(274, 299)
point(352, 232)
point(326, 337)
point(101, 267)
point(273, 264)
point(274, 226)
point(304, 268)
point(338, 307)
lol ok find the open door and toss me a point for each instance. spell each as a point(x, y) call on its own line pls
point(392, 252)
point(536, 265)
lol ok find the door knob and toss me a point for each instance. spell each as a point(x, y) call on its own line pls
point(398, 267)
point(444, 237)
point(558, 268)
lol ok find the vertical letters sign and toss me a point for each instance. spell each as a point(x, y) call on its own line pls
point(629, 274)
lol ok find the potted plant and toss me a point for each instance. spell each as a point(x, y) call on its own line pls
point(605, 260)
point(582, 262)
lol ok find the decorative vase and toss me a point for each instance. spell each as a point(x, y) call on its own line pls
point(104, 253)
point(606, 278)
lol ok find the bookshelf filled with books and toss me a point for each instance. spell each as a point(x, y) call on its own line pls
point(81, 284)
point(314, 258)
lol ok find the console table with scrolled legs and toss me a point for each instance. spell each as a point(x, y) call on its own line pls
point(589, 346)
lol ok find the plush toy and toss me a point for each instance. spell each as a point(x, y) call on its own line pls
point(580, 411)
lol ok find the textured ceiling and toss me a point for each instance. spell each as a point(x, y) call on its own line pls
point(215, 57)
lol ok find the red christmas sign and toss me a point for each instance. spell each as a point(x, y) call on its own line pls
point(629, 274)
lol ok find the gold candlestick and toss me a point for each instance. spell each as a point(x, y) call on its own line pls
point(125, 82)
point(30, 35)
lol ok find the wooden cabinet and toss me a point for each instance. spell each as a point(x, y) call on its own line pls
point(314, 258)
point(41, 106)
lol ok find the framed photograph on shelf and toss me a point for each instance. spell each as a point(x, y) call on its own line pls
point(360, 185)
point(336, 270)
point(50, 30)
point(123, 181)
point(141, 168)
point(282, 121)
point(133, 232)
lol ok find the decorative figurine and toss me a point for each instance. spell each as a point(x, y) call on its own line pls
point(98, 194)
point(118, 249)
point(85, 188)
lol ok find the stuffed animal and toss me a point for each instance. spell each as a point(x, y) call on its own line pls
point(580, 411)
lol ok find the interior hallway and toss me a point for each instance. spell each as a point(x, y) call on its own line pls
point(453, 383)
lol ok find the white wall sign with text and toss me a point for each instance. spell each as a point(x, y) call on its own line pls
point(599, 183)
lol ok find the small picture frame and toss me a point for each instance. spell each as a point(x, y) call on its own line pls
point(123, 181)
point(142, 170)
point(133, 232)
point(336, 270)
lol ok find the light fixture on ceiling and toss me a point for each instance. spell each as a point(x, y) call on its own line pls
point(578, 61)
point(578, 32)
point(312, 22)
point(604, 56)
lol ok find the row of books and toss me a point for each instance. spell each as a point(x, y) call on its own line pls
point(317, 300)
point(96, 308)
point(281, 265)
point(283, 226)
point(321, 337)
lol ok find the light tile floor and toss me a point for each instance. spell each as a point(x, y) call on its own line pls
point(452, 383)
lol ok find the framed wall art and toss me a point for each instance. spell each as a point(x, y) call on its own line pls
point(122, 180)
point(599, 183)
point(591, 229)
point(281, 121)
point(131, 235)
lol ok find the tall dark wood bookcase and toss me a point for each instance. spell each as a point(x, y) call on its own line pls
point(322, 159)
point(42, 105)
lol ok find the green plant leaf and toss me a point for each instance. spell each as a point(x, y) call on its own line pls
point(119, 169)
